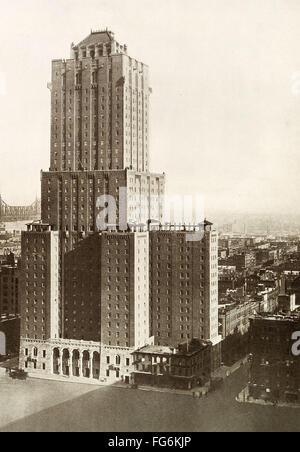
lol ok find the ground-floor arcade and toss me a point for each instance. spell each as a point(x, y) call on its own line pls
point(74, 360)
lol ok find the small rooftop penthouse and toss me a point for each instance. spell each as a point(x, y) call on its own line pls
point(99, 43)
point(38, 226)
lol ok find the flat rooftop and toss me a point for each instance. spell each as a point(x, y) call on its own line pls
point(181, 349)
point(295, 317)
point(156, 350)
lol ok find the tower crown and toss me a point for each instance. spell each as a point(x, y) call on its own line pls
point(99, 108)
point(97, 44)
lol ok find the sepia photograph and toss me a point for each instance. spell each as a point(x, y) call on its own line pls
point(150, 219)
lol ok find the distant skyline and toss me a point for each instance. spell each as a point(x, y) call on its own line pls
point(224, 121)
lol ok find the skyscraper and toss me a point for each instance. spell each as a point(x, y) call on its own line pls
point(100, 108)
point(75, 287)
point(99, 139)
point(91, 294)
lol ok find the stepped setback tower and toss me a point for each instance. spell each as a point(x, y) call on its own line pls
point(93, 295)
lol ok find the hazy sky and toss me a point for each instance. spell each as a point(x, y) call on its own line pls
point(224, 120)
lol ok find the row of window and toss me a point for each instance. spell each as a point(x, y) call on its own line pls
point(118, 361)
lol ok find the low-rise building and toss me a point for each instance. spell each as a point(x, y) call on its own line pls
point(287, 302)
point(263, 256)
point(242, 260)
point(268, 300)
point(10, 326)
point(235, 318)
point(9, 290)
point(275, 371)
point(184, 367)
point(234, 325)
point(228, 279)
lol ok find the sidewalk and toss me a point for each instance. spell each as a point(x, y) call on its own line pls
point(10, 363)
point(244, 397)
point(201, 391)
point(118, 385)
point(197, 392)
point(225, 371)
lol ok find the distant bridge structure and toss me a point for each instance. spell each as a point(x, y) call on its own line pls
point(19, 213)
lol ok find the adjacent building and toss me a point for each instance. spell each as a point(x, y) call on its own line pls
point(9, 288)
point(275, 370)
point(183, 367)
point(242, 261)
point(10, 328)
point(235, 318)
